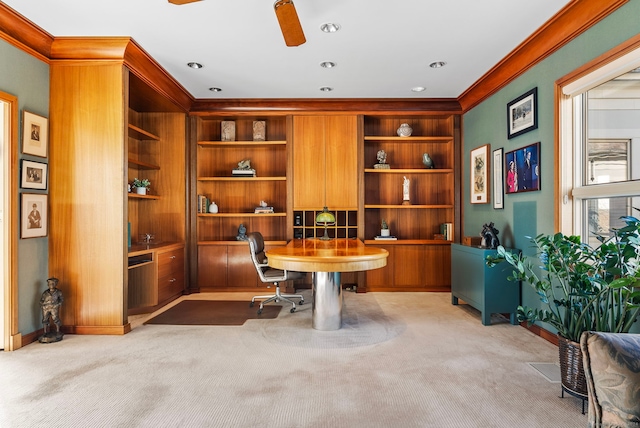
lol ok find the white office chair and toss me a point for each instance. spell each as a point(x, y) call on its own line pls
point(270, 275)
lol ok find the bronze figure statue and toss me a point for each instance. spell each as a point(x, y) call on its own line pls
point(50, 302)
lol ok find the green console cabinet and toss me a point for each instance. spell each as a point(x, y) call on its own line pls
point(485, 288)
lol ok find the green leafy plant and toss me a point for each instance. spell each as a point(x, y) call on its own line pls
point(583, 288)
point(384, 224)
point(141, 183)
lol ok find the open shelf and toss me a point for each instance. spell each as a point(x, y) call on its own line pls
point(134, 163)
point(136, 196)
point(242, 178)
point(140, 134)
point(240, 143)
point(242, 215)
point(412, 139)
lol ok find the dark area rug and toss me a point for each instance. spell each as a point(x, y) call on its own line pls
point(213, 312)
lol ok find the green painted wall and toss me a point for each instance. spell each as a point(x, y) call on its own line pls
point(531, 213)
point(27, 78)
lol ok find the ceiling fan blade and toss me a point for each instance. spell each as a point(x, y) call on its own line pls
point(182, 1)
point(289, 22)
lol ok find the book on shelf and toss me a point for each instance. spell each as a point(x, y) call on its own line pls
point(203, 204)
point(264, 210)
point(446, 229)
point(385, 238)
point(243, 172)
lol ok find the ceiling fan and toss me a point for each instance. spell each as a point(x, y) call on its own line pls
point(287, 18)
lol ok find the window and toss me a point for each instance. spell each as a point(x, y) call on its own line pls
point(599, 150)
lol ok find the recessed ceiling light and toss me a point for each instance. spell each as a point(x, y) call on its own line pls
point(214, 89)
point(437, 64)
point(418, 89)
point(330, 27)
point(326, 89)
point(328, 64)
point(195, 65)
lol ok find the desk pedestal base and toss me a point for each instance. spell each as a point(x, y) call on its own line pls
point(327, 301)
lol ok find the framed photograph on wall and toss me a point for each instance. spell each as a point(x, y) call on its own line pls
point(35, 134)
point(523, 169)
point(498, 183)
point(34, 175)
point(34, 215)
point(479, 175)
point(522, 114)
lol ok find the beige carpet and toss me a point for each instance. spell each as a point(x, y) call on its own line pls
point(400, 360)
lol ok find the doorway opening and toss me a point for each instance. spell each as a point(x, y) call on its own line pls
point(9, 337)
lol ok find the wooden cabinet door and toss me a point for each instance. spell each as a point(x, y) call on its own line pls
point(241, 273)
point(342, 161)
point(308, 162)
point(325, 162)
point(212, 266)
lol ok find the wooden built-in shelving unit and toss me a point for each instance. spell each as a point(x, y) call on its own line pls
point(416, 254)
point(223, 261)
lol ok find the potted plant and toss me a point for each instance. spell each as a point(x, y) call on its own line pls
point(582, 289)
point(384, 228)
point(142, 186)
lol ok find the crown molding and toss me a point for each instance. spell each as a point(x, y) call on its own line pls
point(389, 106)
point(18, 31)
point(128, 52)
point(571, 21)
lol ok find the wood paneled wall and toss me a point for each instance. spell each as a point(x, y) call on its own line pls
point(87, 198)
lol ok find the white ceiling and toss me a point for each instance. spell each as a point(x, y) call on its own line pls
point(383, 49)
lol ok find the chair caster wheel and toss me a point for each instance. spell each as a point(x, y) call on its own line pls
point(292, 310)
point(259, 311)
point(251, 305)
point(301, 302)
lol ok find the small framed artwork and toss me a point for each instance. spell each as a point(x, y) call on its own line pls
point(479, 175)
point(34, 215)
point(523, 169)
point(498, 183)
point(34, 175)
point(522, 114)
point(35, 134)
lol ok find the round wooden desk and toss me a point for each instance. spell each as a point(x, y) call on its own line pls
point(326, 259)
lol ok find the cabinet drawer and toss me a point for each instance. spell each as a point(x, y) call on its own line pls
point(171, 262)
point(170, 285)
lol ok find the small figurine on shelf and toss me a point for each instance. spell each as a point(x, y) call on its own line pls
point(382, 160)
point(244, 169)
point(427, 161)
point(405, 192)
point(242, 233)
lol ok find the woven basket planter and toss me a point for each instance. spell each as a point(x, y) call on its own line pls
point(571, 368)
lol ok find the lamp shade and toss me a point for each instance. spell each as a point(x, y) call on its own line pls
point(325, 217)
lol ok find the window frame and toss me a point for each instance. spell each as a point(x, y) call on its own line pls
point(569, 171)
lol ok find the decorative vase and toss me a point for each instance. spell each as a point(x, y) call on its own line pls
point(384, 232)
point(405, 130)
point(213, 208)
point(571, 368)
point(427, 161)
point(141, 190)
